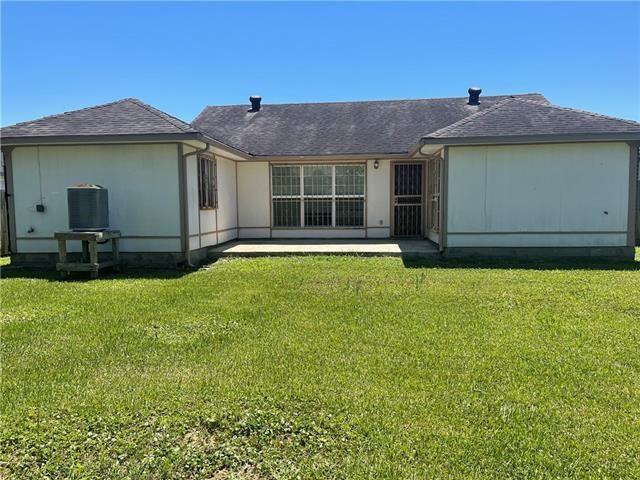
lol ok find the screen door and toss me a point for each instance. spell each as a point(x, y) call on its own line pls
point(407, 199)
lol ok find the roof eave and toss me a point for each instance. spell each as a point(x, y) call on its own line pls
point(89, 139)
point(331, 156)
point(217, 143)
point(520, 139)
point(132, 138)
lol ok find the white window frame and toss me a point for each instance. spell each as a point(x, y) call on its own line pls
point(333, 197)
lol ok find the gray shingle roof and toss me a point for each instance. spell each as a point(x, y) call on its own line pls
point(124, 117)
point(380, 127)
point(392, 126)
point(520, 117)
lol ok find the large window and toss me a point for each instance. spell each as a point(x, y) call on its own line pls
point(207, 183)
point(317, 196)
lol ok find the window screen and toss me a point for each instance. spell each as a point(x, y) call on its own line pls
point(317, 212)
point(207, 183)
point(317, 180)
point(349, 195)
point(285, 181)
point(286, 212)
point(349, 212)
point(349, 180)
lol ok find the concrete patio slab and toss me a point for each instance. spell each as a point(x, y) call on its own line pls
point(386, 247)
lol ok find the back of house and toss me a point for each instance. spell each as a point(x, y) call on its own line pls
point(489, 175)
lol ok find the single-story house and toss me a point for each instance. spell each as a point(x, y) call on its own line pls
point(473, 174)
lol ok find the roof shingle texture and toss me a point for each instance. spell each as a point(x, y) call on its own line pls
point(124, 117)
point(392, 126)
point(380, 127)
point(521, 117)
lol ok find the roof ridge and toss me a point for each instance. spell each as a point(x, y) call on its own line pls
point(46, 117)
point(473, 116)
point(586, 112)
point(176, 122)
point(505, 97)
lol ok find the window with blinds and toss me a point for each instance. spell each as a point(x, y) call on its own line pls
point(318, 196)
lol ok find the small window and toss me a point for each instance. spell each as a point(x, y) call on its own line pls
point(207, 183)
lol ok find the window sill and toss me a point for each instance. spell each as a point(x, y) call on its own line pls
point(208, 208)
point(317, 228)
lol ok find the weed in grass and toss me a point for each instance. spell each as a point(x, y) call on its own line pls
point(237, 441)
point(419, 280)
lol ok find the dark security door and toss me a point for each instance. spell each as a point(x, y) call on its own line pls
point(407, 199)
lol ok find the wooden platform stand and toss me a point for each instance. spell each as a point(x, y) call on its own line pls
point(90, 242)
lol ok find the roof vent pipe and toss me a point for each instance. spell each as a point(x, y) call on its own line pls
point(474, 96)
point(255, 102)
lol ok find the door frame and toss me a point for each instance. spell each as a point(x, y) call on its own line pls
point(392, 177)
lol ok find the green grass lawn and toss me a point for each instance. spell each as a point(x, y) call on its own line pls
point(324, 367)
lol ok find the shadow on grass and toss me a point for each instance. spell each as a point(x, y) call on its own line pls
point(409, 261)
point(10, 271)
point(578, 263)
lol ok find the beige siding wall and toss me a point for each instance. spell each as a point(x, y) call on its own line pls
point(211, 227)
point(538, 195)
point(143, 193)
point(254, 211)
point(378, 199)
point(227, 199)
point(253, 200)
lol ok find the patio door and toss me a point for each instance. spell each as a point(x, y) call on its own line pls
point(407, 199)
